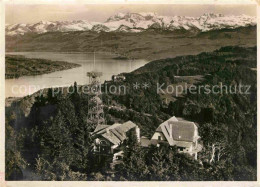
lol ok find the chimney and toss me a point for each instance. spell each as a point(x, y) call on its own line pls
point(137, 130)
point(170, 129)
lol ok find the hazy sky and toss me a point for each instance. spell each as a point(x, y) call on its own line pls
point(35, 13)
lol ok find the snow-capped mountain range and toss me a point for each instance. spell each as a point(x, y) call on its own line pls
point(136, 22)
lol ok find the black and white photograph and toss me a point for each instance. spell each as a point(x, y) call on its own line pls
point(130, 92)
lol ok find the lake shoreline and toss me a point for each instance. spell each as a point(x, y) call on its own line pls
point(19, 66)
point(78, 64)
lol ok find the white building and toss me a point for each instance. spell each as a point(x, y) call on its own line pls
point(183, 134)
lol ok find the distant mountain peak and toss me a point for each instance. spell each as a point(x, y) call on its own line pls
point(137, 22)
point(135, 16)
point(212, 15)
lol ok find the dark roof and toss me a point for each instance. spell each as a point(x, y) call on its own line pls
point(115, 133)
point(182, 130)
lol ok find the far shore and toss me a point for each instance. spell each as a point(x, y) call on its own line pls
point(18, 66)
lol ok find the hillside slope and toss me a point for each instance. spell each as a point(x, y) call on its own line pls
point(150, 45)
point(42, 125)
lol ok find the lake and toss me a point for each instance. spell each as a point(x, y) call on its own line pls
point(104, 63)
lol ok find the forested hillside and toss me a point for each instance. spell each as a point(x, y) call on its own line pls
point(17, 66)
point(53, 139)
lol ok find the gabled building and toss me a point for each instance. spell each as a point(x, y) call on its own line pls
point(108, 138)
point(183, 134)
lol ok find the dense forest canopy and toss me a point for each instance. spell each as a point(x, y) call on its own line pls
point(53, 139)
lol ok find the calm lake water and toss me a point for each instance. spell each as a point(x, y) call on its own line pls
point(104, 63)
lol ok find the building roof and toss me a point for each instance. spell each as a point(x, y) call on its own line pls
point(115, 133)
point(182, 130)
point(159, 129)
point(183, 144)
point(100, 127)
point(180, 133)
point(145, 142)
